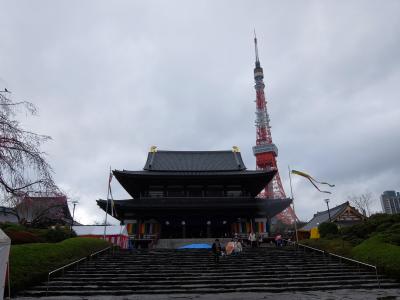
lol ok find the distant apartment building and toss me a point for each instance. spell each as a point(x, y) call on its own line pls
point(390, 201)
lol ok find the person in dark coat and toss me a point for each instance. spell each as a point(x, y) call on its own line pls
point(216, 250)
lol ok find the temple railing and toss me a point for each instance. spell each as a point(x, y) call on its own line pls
point(76, 264)
point(198, 197)
point(147, 237)
point(336, 256)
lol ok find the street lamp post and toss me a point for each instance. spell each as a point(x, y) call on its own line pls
point(74, 203)
point(329, 212)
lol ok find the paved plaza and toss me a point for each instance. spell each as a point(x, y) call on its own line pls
point(387, 294)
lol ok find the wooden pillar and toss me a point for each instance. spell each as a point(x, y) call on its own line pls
point(183, 229)
point(208, 229)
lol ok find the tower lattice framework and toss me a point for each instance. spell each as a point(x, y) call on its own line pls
point(265, 150)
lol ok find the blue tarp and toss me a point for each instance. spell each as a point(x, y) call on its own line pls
point(196, 246)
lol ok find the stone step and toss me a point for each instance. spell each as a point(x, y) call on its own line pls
point(166, 270)
point(202, 290)
point(194, 271)
point(248, 275)
point(197, 260)
point(204, 257)
point(214, 280)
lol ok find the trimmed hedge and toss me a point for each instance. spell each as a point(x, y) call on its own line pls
point(30, 263)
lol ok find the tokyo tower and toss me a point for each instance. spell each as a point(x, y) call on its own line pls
point(265, 150)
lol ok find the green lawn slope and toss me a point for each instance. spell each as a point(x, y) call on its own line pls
point(375, 241)
point(378, 252)
point(30, 263)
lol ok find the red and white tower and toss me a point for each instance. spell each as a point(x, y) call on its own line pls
point(265, 150)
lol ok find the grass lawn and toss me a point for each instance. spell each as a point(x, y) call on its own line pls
point(377, 252)
point(30, 263)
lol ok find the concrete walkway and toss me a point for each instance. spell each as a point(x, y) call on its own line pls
point(387, 294)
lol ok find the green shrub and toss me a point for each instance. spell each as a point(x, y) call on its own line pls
point(337, 245)
point(375, 241)
point(30, 263)
point(383, 227)
point(327, 228)
point(12, 227)
point(58, 234)
point(22, 237)
point(357, 232)
point(378, 223)
point(20, 234)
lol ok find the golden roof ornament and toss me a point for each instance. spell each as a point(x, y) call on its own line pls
point(153, 149)
point(235, 149)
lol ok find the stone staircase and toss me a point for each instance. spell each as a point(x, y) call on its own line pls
point(176, 243)
point(167, 271)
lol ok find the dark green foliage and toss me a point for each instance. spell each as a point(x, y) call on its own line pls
point(12, 226)
point(59, 234)
point(335, 245)
point(30, 263)
point(392, 234)
point(359, 231)
point(20, 234)
point(376, 223)
point(327, 228)
point(375, 241)
point(22, 237)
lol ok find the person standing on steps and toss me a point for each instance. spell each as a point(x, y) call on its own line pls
point(238, 247)
point(216, 250)
point(278, 240)
point(229, 248)
point(252, 239)
point(259, 240)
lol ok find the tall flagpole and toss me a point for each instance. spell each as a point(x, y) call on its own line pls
point(108, 196)
point(294, 212)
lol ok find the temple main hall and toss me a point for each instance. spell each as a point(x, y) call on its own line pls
point(194, 194)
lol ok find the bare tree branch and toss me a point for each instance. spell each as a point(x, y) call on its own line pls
point(23, 166)
point(362, 202)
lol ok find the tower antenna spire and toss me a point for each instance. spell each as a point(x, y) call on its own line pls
point(256, 49)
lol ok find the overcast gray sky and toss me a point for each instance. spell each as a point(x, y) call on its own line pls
point(112, 78)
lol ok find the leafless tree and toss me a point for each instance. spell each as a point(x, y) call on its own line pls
point(362, 202)
point(23, 167)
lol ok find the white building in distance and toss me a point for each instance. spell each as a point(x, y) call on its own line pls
point(390, 201)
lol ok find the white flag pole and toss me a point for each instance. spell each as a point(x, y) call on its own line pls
point(291, 192)
point(108, 196)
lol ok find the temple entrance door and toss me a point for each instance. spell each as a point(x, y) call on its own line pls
point(171, 230)
point(219, 229)
point(196, 230)
point(195, 227)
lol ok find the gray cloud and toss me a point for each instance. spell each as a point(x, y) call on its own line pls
point(112, 80)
